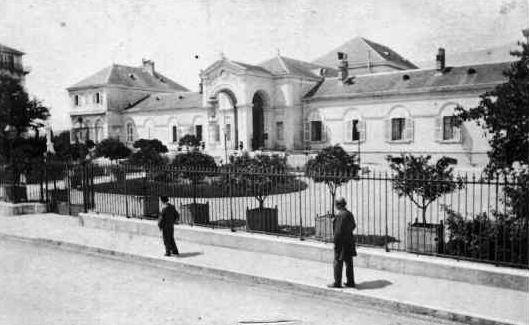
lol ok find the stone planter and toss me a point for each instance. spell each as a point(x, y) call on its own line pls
point(194, 214)
point(72, 209)
point(16, 193)
point(324, 227)
point(262, 219)
point(151, 207)
point(425, 238)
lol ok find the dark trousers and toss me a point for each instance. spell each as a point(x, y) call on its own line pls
point(168, 240)
point(349, 273)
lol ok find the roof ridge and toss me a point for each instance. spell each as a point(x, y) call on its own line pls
point(283, 64)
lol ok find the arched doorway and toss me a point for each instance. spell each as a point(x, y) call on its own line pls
point(224, 100)
point(258, 135)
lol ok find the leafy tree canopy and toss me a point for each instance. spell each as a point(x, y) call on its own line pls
point(112, 149)
point(258, 174)
point(504, 114)
point(194, 165)
point(189, 141)
point(151, 145)
point(334, 167)
point(423, 182)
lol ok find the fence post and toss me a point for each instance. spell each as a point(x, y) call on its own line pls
point(300, 214)
point(124, 187)
point(68, 189)
point(230, 194)
point(386, 214)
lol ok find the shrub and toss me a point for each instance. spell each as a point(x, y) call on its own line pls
point(112, 149)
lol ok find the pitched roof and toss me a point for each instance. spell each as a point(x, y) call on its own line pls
point(412, 81)
point(281, 65)
point(130, 77)
point(4, 48)
point(357, 50)
point(163, 101)
point(251, 67)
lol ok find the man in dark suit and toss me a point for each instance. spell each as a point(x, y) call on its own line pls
point(343, 224)
point(166, 222)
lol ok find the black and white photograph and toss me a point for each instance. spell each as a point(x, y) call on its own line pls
point(264, 162)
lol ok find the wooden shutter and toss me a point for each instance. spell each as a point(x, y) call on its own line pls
point(457, 132)
point(348, 131)
point(362, 130)
point(438, 128)
point(323, 132)
point(306, 131)
point(409, 129)
point(387, 129)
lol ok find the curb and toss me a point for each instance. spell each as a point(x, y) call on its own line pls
point(335, 295)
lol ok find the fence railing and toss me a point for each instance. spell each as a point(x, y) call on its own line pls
point(479, 219)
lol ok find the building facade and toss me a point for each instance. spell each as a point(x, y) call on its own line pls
point(11, 63)
point(362, 95)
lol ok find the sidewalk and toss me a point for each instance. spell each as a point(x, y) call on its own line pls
point(439, 298)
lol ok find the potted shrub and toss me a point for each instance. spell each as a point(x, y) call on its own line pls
point(194, 166)
point(149, 157)
point(258, 176)
point(423, 182)
point(114, 150)
point(334, 167)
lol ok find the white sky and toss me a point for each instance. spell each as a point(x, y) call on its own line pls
point(67, 40)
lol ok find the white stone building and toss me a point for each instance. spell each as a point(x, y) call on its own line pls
point(367, 99)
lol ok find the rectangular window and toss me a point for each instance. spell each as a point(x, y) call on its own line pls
point(355, 132)
point(449, 125)
point(397, 128)
point(315, 131)
point(198, 132)
point(175, 134)
point(98, 98)
point(228, 132)
point(280, 131)
point(76, 100)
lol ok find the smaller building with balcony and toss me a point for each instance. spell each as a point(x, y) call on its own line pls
point(11, 62)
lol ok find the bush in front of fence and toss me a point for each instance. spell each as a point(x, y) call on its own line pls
point(494, 237)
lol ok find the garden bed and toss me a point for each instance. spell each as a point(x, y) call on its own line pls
point(142, 186)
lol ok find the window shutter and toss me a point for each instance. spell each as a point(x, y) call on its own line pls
point(323, 132)
point(306, 131)
point(362, 130)
point(438, 128)
point(387, 129)
point(179, 132)
point(409, 129)
point(457, 133)
point(348, 131)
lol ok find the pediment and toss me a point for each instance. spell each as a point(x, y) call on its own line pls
point(222, 68)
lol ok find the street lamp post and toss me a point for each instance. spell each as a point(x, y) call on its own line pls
point(11, 134)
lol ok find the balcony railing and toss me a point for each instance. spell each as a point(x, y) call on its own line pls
point(14, 67)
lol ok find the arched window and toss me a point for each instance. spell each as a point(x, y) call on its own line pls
point(447, 126)
point(314, 130)
point(399, 127)
point(130, 132)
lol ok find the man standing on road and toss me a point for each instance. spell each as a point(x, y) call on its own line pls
point(166, 222)
point(344, 250)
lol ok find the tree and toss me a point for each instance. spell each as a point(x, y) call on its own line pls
point(257, 175)
point(149, 153)
point(504, 114)
point(112, 149)
point(189, 141)
point(194, 166)
point(334, 167)
point(19, 117)
point(421, 181)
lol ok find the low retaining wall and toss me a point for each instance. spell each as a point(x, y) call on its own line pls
point(399, 262)
point(15, 209)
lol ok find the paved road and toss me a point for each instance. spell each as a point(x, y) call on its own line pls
point(43, 285)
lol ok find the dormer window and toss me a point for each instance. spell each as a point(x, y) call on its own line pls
point(97, 98)
point(76, 100)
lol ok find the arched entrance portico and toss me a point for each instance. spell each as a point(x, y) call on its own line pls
point(258, 134)
point(223, 110)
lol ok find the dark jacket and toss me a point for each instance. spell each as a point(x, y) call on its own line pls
point(168, 217)
point(344, 224)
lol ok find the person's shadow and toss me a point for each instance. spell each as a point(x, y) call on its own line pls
point(370, 285)
point(189, 254)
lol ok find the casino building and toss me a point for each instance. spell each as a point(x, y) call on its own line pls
point(361, 95)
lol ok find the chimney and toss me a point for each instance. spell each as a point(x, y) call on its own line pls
point(148, 66)
point(440, 60)
point(343, 66)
